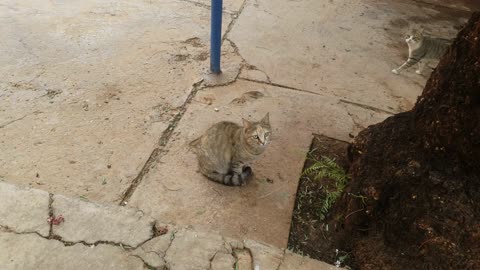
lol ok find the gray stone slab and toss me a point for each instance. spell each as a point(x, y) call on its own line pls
point(24, 210)
point(174, 192)
point(88, 87)
point(91, 222)
point(194, 250)
point(223, 261)
point(264, 256)
point(30, 251)
point(153, 251)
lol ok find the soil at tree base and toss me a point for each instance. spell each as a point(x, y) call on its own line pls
point(420, 174)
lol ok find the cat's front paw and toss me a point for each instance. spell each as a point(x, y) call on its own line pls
point(419, 72)
point(394, 71)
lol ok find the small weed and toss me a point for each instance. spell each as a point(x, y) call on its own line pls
point(362, 198)
point(328, 168)
point(342, 257)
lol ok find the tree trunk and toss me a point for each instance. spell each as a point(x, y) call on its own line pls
point(420, 174)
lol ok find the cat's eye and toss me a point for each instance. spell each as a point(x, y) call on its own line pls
point(256, 137)
point(267, 134)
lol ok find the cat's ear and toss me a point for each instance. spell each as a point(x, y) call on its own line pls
point(246, 123)
point(266, 120)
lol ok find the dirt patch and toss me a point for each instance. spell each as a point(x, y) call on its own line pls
point(248, 96)
point(195, 42)
point(201, 56)
point(311, 233)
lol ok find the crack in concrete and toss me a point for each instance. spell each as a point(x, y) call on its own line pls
point(367, 107)
point(250, 253)
point(145, 264)
point(67, 243)
point(100, 242)
point(234, 20)
point(244, 63)
point(364, 106)
point(282, 86)
point(149, 164)
point(19, 119)
point(244, 248)
point(211, 259)
point(283, 259)
point(158, 152)
point(164, 257)
point(50, 214)
point(4, 228)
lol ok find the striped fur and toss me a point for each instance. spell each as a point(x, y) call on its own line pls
point(422, 49)
point(226, 150)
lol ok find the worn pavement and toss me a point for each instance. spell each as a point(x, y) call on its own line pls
point(99, 99)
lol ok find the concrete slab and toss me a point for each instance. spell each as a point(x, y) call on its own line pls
point(153, 251)
point(345, 48)
point(193, 250)
point(91, 222)
point(24, 210)
point(88, 87)
point(223, 261)
point(174, 247)
point(30, 251)
point(174, 192)
point(264, 256)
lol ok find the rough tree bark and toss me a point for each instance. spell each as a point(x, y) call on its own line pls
point(420, 174)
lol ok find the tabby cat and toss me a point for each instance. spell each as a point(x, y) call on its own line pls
point(421, 49)
point(226, 150)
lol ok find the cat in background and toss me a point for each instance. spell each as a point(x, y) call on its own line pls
point(422, 49)
point(226, 150)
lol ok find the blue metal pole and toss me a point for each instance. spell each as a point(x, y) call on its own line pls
point(216, 36)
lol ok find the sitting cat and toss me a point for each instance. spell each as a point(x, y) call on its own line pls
point(421, 49)
point(226, 149)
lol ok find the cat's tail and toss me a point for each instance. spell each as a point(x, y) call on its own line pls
point(231, 179)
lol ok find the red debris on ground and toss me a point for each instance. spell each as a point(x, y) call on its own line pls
point(55, 220)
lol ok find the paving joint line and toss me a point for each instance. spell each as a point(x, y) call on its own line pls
point(50, 215)
point(364, 106)
point(234, 20)
point(159, 151)
point(367, 107)
point(281, 86)
point(167, 134)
